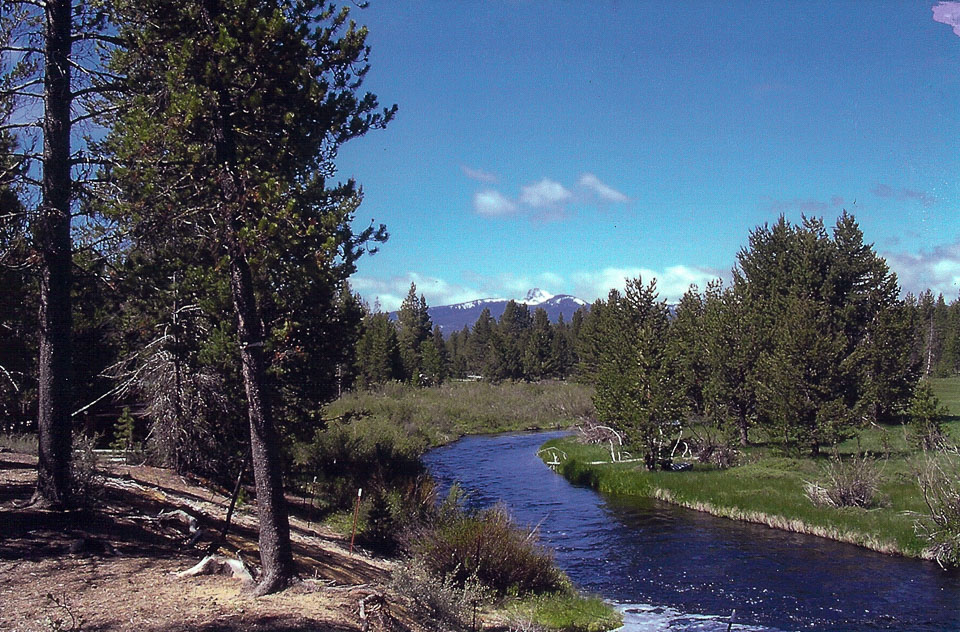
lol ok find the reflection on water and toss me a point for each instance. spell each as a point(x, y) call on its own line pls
point(677, 569)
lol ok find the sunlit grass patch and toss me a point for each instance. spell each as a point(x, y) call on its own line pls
point(570, 612)
point(444, 413)
point(24, 443)
point(769, 490)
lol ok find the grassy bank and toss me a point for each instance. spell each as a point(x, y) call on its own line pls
point(770, 489)
point(447, 412)
point(391, 427)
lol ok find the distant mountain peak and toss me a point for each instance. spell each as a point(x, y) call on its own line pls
point(536, 296)
point(452, 318)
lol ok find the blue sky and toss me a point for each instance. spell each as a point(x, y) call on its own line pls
point(570, 145)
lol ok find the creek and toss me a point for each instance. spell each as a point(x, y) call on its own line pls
point(669, 568)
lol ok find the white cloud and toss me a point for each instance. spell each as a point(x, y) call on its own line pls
point(391, 292)
point(672, 282)
point(478, 174)
point(545, 194)
point(603, 191)
point(948, 13)
point(515, 286)
point(492, 203)
point(938, 270)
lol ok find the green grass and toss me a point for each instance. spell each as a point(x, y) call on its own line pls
point(570, 612)
point(445, 413)
point(21, 442)
point(768, 490)
point(947, 390)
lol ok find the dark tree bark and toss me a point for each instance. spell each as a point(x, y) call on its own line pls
point(276, 555)
point(54, 246)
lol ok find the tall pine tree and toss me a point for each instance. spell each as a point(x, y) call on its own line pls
point(235, 115)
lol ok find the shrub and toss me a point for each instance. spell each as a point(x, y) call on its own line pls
point(940, 482)
point(710, 444)
point(440, 597)
point(86, 481)
point(850, 483)
point(360, 452)
point(380, 522)
point(486, 545)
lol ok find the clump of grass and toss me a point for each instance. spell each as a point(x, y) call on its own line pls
point(847, 483)
point(566, 611)
point(487, 545)
point(20, 442)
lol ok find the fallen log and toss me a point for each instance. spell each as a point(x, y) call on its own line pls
point(219, 565)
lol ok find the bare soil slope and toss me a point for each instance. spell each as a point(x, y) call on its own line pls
point(114, 567)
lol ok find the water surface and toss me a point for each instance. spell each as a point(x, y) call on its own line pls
point(671, 568)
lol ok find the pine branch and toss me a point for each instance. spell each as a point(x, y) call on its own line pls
point(94, 114)
point(98, 37)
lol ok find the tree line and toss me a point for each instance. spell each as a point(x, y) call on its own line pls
point(518, 346)
point(809, 343)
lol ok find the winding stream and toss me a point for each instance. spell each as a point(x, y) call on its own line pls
point(671, 568)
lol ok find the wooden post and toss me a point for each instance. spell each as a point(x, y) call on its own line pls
point(356, 512)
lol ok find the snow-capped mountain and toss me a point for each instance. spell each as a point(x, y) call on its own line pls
point(454, 317)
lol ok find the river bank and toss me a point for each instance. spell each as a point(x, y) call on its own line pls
point(769, 488)
point(670, 568)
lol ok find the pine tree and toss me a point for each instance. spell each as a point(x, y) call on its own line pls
point(562, 358)
point(685, 348)
point(52, 41)
point(637, 390)
point(730, 353)
point(413, 319)
point(378, 351)
point(824, 312)
point(235, 113)
point(538, 358)
point(481, 360)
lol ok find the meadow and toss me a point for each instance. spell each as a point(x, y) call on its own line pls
point(768, 487)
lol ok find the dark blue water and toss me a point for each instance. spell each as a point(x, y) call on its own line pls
point(675, 569)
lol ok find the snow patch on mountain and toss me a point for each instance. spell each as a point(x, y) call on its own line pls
point(536, 296)
point(477, 303)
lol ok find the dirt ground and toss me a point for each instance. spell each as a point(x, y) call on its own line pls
point(114, 567)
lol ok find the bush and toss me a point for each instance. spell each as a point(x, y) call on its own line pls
point(440, 597)
point(486, 545)
point(850, 483)
point(359, 453)
point(86, 482)
point(940, 482)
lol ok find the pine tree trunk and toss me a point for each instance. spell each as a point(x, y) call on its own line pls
point(52, 238)
point(276, 554)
